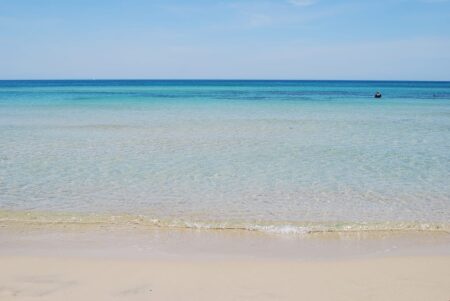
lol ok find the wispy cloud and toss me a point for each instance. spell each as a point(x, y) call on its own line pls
point(433, 1)
point(276, 14)
point(259, 20)
point(302, 2)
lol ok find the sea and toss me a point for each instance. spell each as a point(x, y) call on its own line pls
point(291, 157)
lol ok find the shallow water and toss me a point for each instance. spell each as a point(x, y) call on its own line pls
point(277, 156)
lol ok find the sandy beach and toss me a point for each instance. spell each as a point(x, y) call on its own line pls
point(137, 264)
point(405, 278)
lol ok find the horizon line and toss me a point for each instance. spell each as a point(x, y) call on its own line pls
point(217, 79)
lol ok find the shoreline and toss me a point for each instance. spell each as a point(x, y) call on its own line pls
point(150, 243)
point(115, 220)
point(131, 262)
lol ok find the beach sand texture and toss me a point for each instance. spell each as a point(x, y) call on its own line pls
point(62, 278)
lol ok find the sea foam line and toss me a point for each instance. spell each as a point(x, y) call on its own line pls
point(13, 218)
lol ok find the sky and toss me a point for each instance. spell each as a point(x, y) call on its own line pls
point(219, 39)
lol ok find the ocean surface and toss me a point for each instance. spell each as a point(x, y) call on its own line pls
point(275, 156)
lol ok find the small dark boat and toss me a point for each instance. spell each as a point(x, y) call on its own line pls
point(377, 95)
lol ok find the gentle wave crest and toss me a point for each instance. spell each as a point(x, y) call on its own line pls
point(53, 219)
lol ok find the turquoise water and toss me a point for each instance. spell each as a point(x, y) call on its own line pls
point(261, 155)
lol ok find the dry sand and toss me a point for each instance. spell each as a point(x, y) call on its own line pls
point(60, 278)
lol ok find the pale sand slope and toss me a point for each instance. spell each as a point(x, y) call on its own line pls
point(66, 279)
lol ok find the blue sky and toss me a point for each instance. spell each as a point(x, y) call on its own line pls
point(247, 39)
